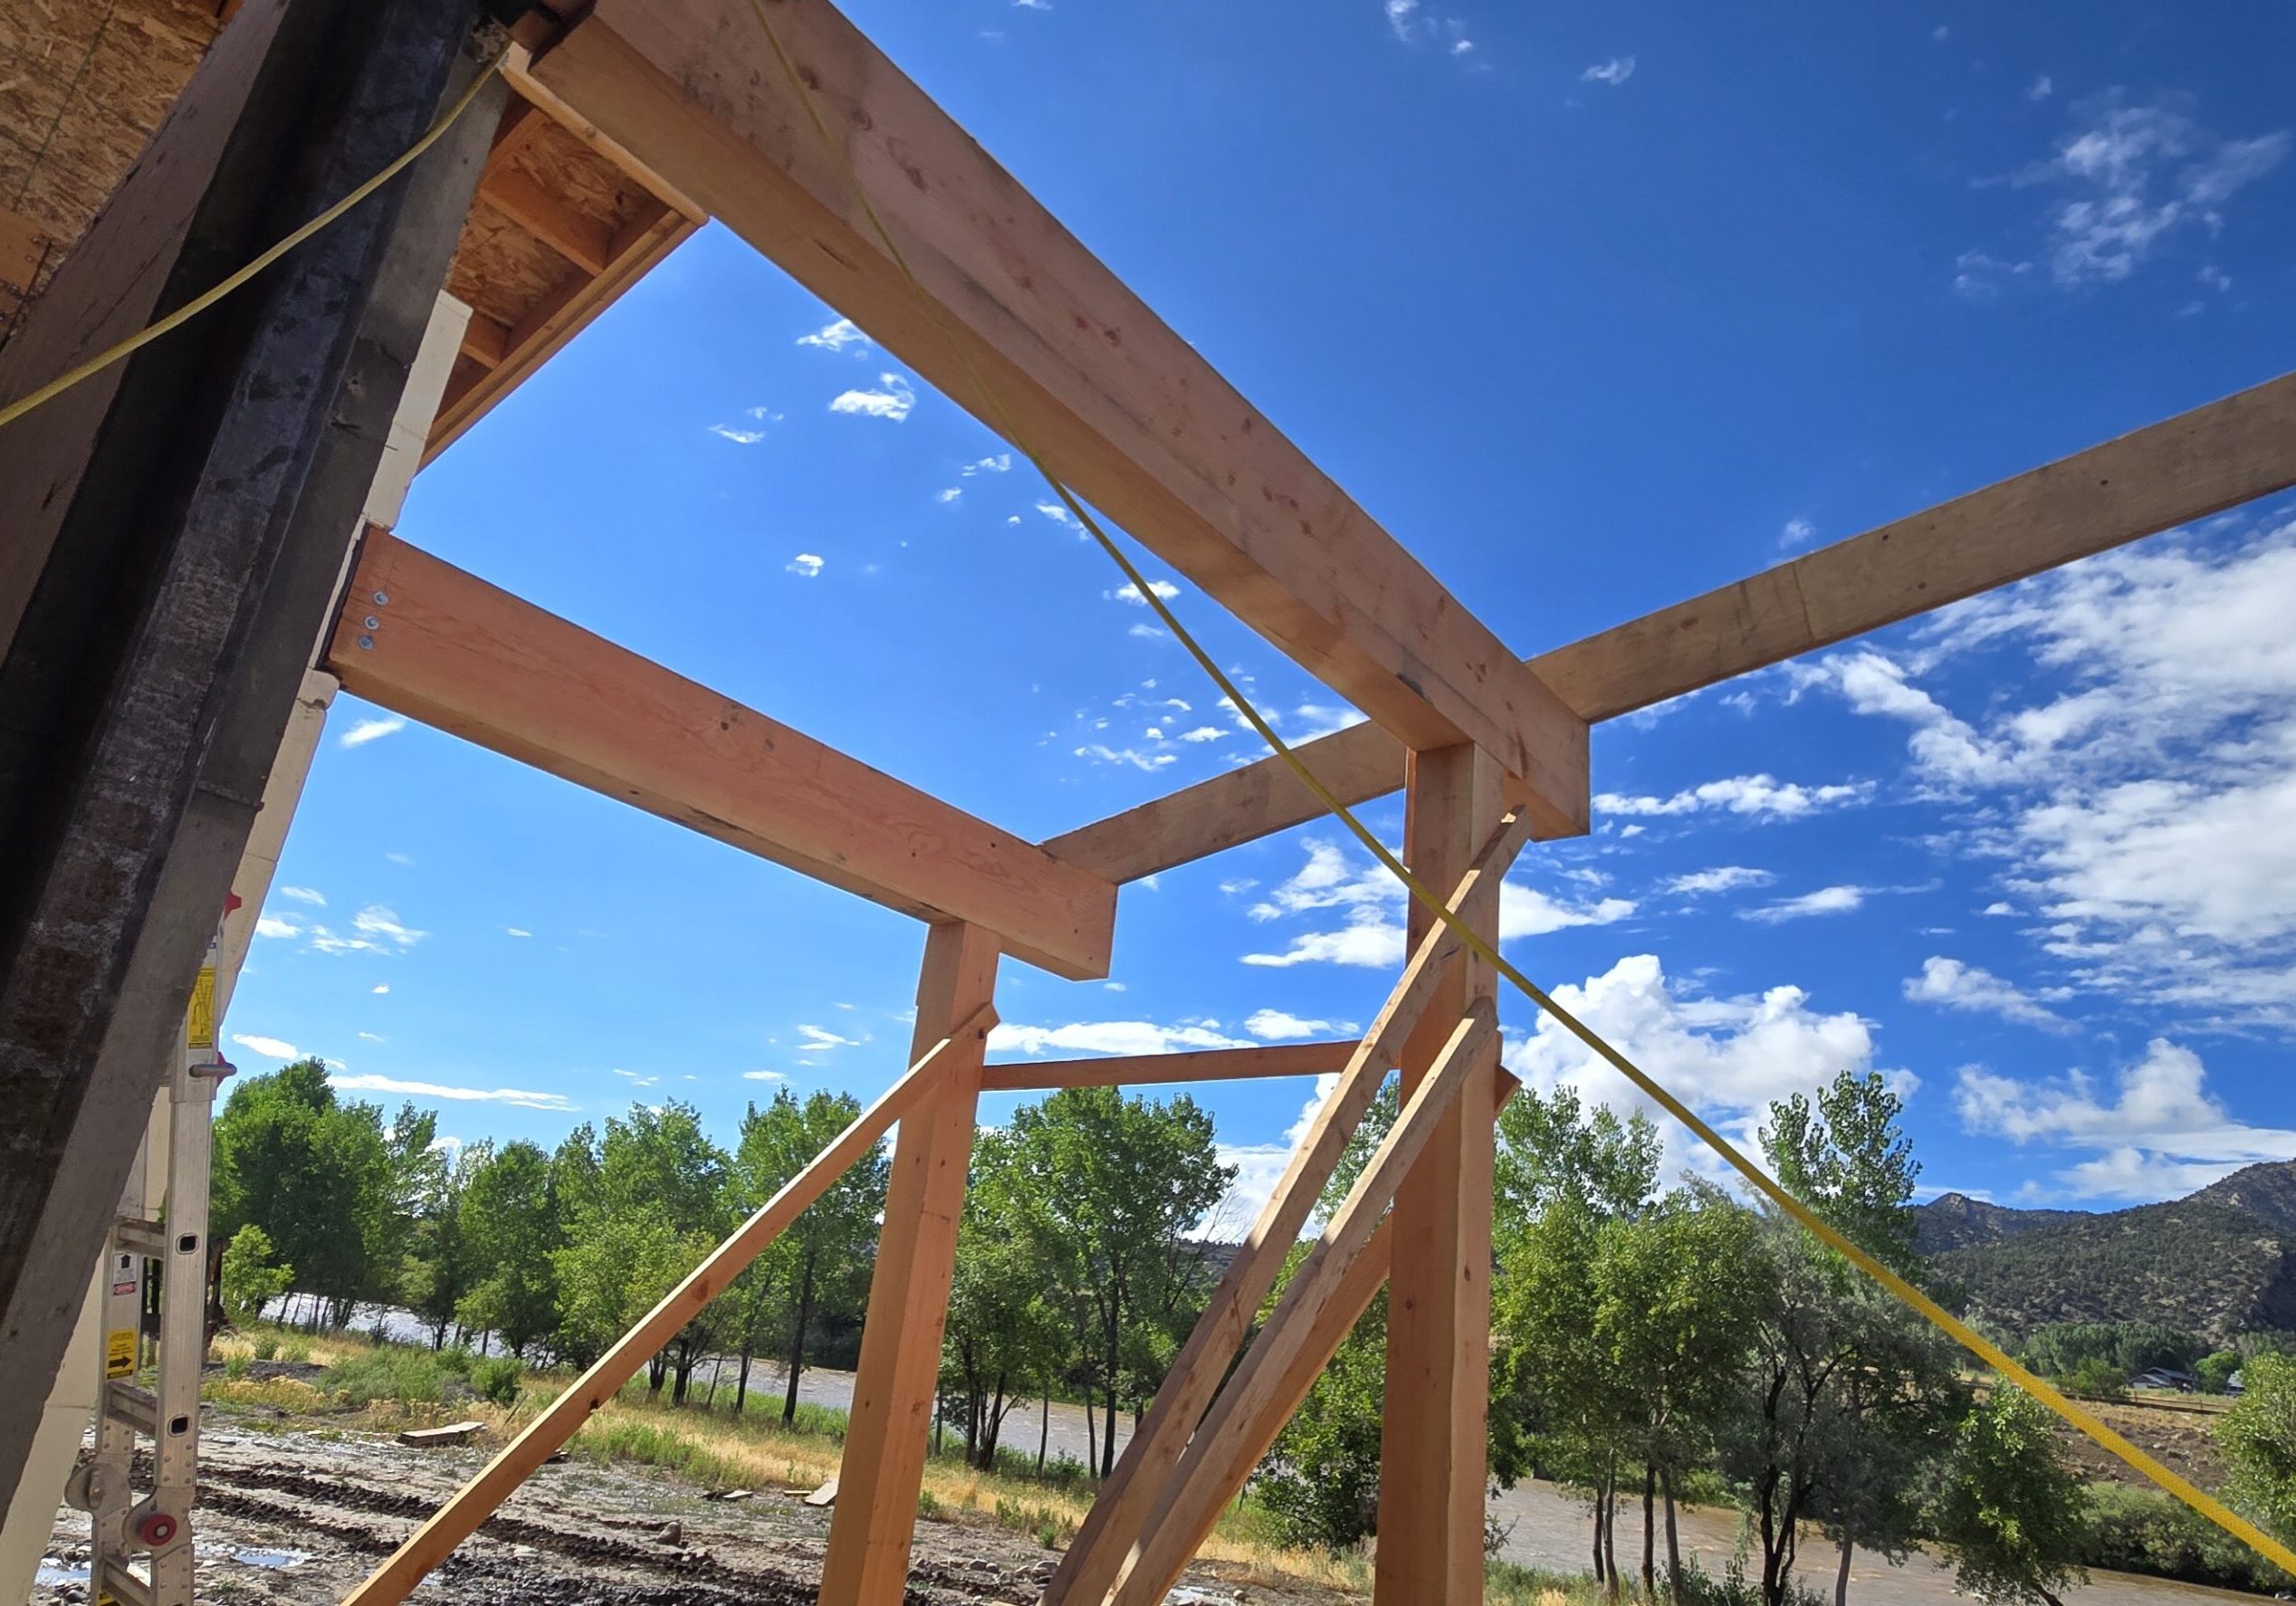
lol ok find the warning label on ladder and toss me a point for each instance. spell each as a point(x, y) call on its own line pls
point(120, 1352)
point(199, 1020)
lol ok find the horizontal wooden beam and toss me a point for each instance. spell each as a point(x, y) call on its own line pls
point(422, 638)
point(583, 240)
point(1141, 1070)
point(1020, 324)
point(2154, 479)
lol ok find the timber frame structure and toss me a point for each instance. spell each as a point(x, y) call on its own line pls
point(626, 125)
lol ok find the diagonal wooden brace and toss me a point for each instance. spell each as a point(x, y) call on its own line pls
point(1226, 1447)
point(478, 1499)
point(1089, 1570)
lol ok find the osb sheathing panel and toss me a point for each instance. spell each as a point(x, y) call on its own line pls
point(566, 167)
point(502, 271)
point(82, 85)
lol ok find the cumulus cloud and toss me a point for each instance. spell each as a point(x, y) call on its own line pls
point(894, 400)
point(1722, 878)
point(1280, 1026)
point(1953, 985)
point(277, 1048)
point(1759, 796)
point(805, 565)
point(835, 337)
point(2142, 793)
point(2160, 1133)
point(1130, 593)
point(1728, 1059)
point(1826, 900)
point(304, 894)
point(1614, 72)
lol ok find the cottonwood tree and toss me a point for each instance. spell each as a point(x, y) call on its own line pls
point(1123, 1180)
point(1006, 1338)
point(2258, 1437)
point(822, 1265)
point(2011, 1513)
point(439, 1268)
point(510, 1227)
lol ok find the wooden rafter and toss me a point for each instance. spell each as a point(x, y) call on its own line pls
point(1143, 1070)
point(1116, 402)
point(2155, 479)
point(450, 650)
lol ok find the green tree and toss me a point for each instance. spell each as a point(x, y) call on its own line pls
point(2012, 1514)
point(439, 1266)
point(316, 1174)
point(823, 1261)
point(1123, 1180)
point(249, 1278)
point(1849, 1394)
point(508, 1220)
point(2258, 1437)
point(1006, 1338)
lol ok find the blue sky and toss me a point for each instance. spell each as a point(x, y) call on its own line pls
point(1594, 309)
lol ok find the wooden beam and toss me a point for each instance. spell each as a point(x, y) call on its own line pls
point(2155, 479)
point(1433, 1458)
point(451, 650)
point(521, 121)
point(1126, 1502)
point(895, 1380)
point(584, 241)
point(558, 320)
point(1020, 324)
point(1222, 1452)
point(1140, 1070)
point(485, 340)
point(478, 1499)
point(516, 64)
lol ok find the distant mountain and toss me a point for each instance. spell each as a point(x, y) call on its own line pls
point(2268, 1191)
point(1956, 1221)
point(2219, 1263)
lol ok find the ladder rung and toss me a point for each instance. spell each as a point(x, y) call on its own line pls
point(138, 1408)
point(122, 1585)
point(142, 1238)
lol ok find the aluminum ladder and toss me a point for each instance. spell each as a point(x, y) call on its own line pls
point(155, 1527)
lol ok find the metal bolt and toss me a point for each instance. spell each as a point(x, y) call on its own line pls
point(382, 600)
point(365, 644)
point(371, 621)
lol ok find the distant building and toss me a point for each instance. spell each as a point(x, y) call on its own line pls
point(2165, 1377)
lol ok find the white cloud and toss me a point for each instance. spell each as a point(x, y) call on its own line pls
point(949, 494)
point(1953, 985)
point(1413, 25)
point(895, 401)
point(835, 337)
point(807, 565)
point(634, 1079)
point(367, 731)
point(380, 987)
point(737, 433)
point(1757, 796)
point(2142, 791)
point(268, 1047)
point(516, 931)
point(1826, 900)
point(2161, 1134)
point(2128, 177)
point(1614, 72)
point(1722, 878)
point(1728, 1059)
point(1110, 1036)
point(2041, 88)
point(303, 895)
point(1978, 276)
point(821, 1038)
point(379, 921)
point(1061, 516)
point(1130, 593)
point(1206, 733)
point(999, 464)
point(272, 925)
point(1280, 1026)
point(1101, 753)
point(516, 1096)
point(1798, 532)
point(763, 1076)
point(1373, 902)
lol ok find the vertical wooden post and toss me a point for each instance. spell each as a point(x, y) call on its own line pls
point(1432, 1456)
point(893, 1386)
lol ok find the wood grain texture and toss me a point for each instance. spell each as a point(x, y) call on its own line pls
point(2169, 474)
point(1432, 1455)
point(1024, 327)
point(896, 1379)
point(1142, 1070)
point(1125, 1508)
point(451, 650)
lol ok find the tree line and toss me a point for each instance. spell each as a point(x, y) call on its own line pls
point(1653, 1343)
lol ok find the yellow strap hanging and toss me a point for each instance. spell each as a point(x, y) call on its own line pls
point(2085, 1421)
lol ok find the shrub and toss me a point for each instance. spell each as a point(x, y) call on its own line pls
point(249, 1280)
point(497, 1379)
point(2097, 1379)
point(404, 1377)
point(2143, 1530)
point(266, 1347)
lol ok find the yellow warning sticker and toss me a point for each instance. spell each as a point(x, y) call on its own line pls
point(199, 1020)
point(120, 1352)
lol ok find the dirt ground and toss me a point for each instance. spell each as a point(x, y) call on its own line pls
point(301, 1515)
point(2175, 1433)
